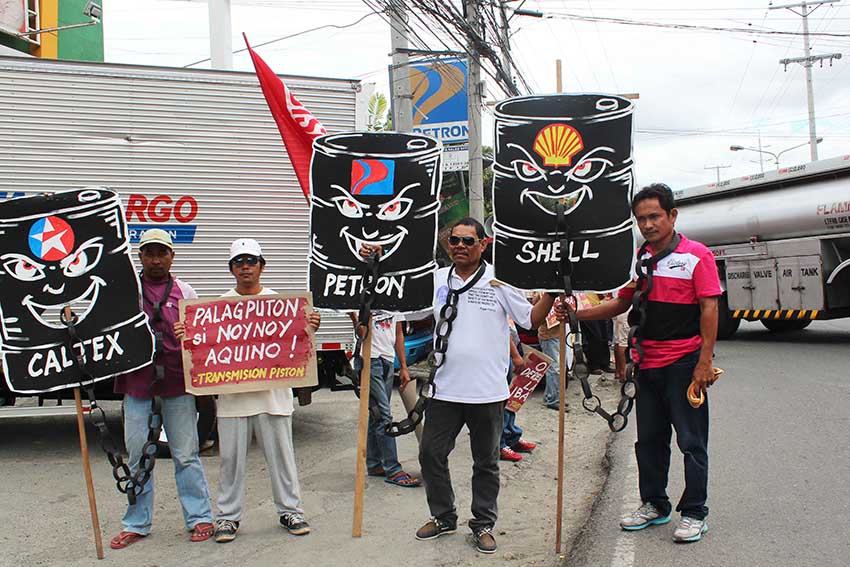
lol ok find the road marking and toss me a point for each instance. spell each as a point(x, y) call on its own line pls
point(624, 549)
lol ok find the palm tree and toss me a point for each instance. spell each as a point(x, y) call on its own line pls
point(377, 119)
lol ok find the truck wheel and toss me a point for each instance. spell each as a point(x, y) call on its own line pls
point(785, 325)
point(726, 324)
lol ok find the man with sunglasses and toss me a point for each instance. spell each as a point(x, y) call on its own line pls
point(470, 385)
point(268, 414)
point(161, 292)
point(678, 345)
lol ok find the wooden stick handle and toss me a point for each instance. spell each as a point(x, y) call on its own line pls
point(562, 367)
point(84, 450)
point(362, 434)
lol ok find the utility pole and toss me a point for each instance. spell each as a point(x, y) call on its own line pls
point(505, 33)
point(221, 42)
point(402, 100)
point(807, 62)
point(717, 168)
point(476, 157)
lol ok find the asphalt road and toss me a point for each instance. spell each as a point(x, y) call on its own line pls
point(779, 457)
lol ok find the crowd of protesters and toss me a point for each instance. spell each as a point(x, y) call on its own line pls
point(471, 387)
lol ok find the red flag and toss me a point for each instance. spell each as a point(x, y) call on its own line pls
point(297, 126)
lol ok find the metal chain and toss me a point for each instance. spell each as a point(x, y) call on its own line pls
point(640, 302)
point(579, 368)
point(437, 357)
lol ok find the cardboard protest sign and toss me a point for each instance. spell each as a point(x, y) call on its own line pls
point(68, 249)
point(524, 383)
point(380, 189)
point(574, 150)
point(248, 343)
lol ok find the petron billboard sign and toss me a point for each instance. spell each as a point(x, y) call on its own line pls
point(440, 100)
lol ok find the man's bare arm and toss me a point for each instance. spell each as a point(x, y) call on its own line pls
point(703, 372)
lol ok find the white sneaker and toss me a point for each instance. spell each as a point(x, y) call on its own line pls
point(689, 529)
point(645, 516)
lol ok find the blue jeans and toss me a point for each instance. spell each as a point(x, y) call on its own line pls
point(511, 432)
point(661, 406)
point(179, 418)
point(381, 450)
point(552, 349)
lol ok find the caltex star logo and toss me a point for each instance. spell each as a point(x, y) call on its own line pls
point(51, 239)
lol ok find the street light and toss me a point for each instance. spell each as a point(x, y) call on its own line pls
point(774, 155)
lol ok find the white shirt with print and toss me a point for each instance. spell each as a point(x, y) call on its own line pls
point(477, 358)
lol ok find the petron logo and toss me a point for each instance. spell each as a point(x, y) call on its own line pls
point(159, 212)
point(51, 239)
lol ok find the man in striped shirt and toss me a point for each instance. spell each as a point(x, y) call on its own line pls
point(678, 343)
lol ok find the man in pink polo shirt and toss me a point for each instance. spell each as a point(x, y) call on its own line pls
point(678, 343)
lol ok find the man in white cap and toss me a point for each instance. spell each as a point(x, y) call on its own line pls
point(164, 378)
point(267, 413)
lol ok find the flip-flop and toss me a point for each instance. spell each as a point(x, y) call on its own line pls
point(404, 480)
point(202, 532)
point(379, 471)
point(125, 539)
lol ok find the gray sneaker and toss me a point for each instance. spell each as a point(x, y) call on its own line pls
point(645, 516)
point(295, 523)
point(689, 529)
point(225, 530)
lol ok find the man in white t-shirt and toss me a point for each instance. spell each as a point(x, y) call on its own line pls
point(268, 414)
point(470, 385)
point(381, 449)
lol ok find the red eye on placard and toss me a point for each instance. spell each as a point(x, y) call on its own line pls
point(392, 208)
point(583, 168)
point(528, 169)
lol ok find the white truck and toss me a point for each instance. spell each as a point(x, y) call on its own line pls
point(195, 152)
point(781, 240)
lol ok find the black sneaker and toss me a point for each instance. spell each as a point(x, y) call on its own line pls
point(225, 530)
point(434, 528)
point(484, 540)
point(295, 523)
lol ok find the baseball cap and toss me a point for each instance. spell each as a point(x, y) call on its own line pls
point(156, 236)
point(247, 246)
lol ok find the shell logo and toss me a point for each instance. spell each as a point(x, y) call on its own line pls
point(557, 144)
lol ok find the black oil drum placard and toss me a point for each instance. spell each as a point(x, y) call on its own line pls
point(572, 149)
point(68, 249)
point(379, 189)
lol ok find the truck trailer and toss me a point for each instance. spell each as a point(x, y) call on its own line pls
point(781, 240)
point(194, 152)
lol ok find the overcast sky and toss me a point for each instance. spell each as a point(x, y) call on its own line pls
point(700, 91)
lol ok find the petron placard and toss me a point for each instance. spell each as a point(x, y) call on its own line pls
point(248, 343)
point(68, 251)
point(574, 150)
point(379, 189)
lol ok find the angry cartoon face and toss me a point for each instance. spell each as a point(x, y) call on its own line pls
point(378, 198)
point(56, 273)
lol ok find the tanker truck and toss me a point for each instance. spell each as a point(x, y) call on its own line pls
point(781, 240)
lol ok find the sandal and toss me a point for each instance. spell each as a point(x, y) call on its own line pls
point(124, 539)
point(403, 479)
point(378, 471)
point(202, 531)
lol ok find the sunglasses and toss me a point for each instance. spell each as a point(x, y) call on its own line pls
point(467, 240)
point(250, 260)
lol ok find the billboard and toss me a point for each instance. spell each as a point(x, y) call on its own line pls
point(439, 90)
point(13, 16)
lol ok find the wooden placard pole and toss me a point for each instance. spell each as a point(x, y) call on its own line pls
point(362, 434)
point(84, 450)
point(562, 365)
